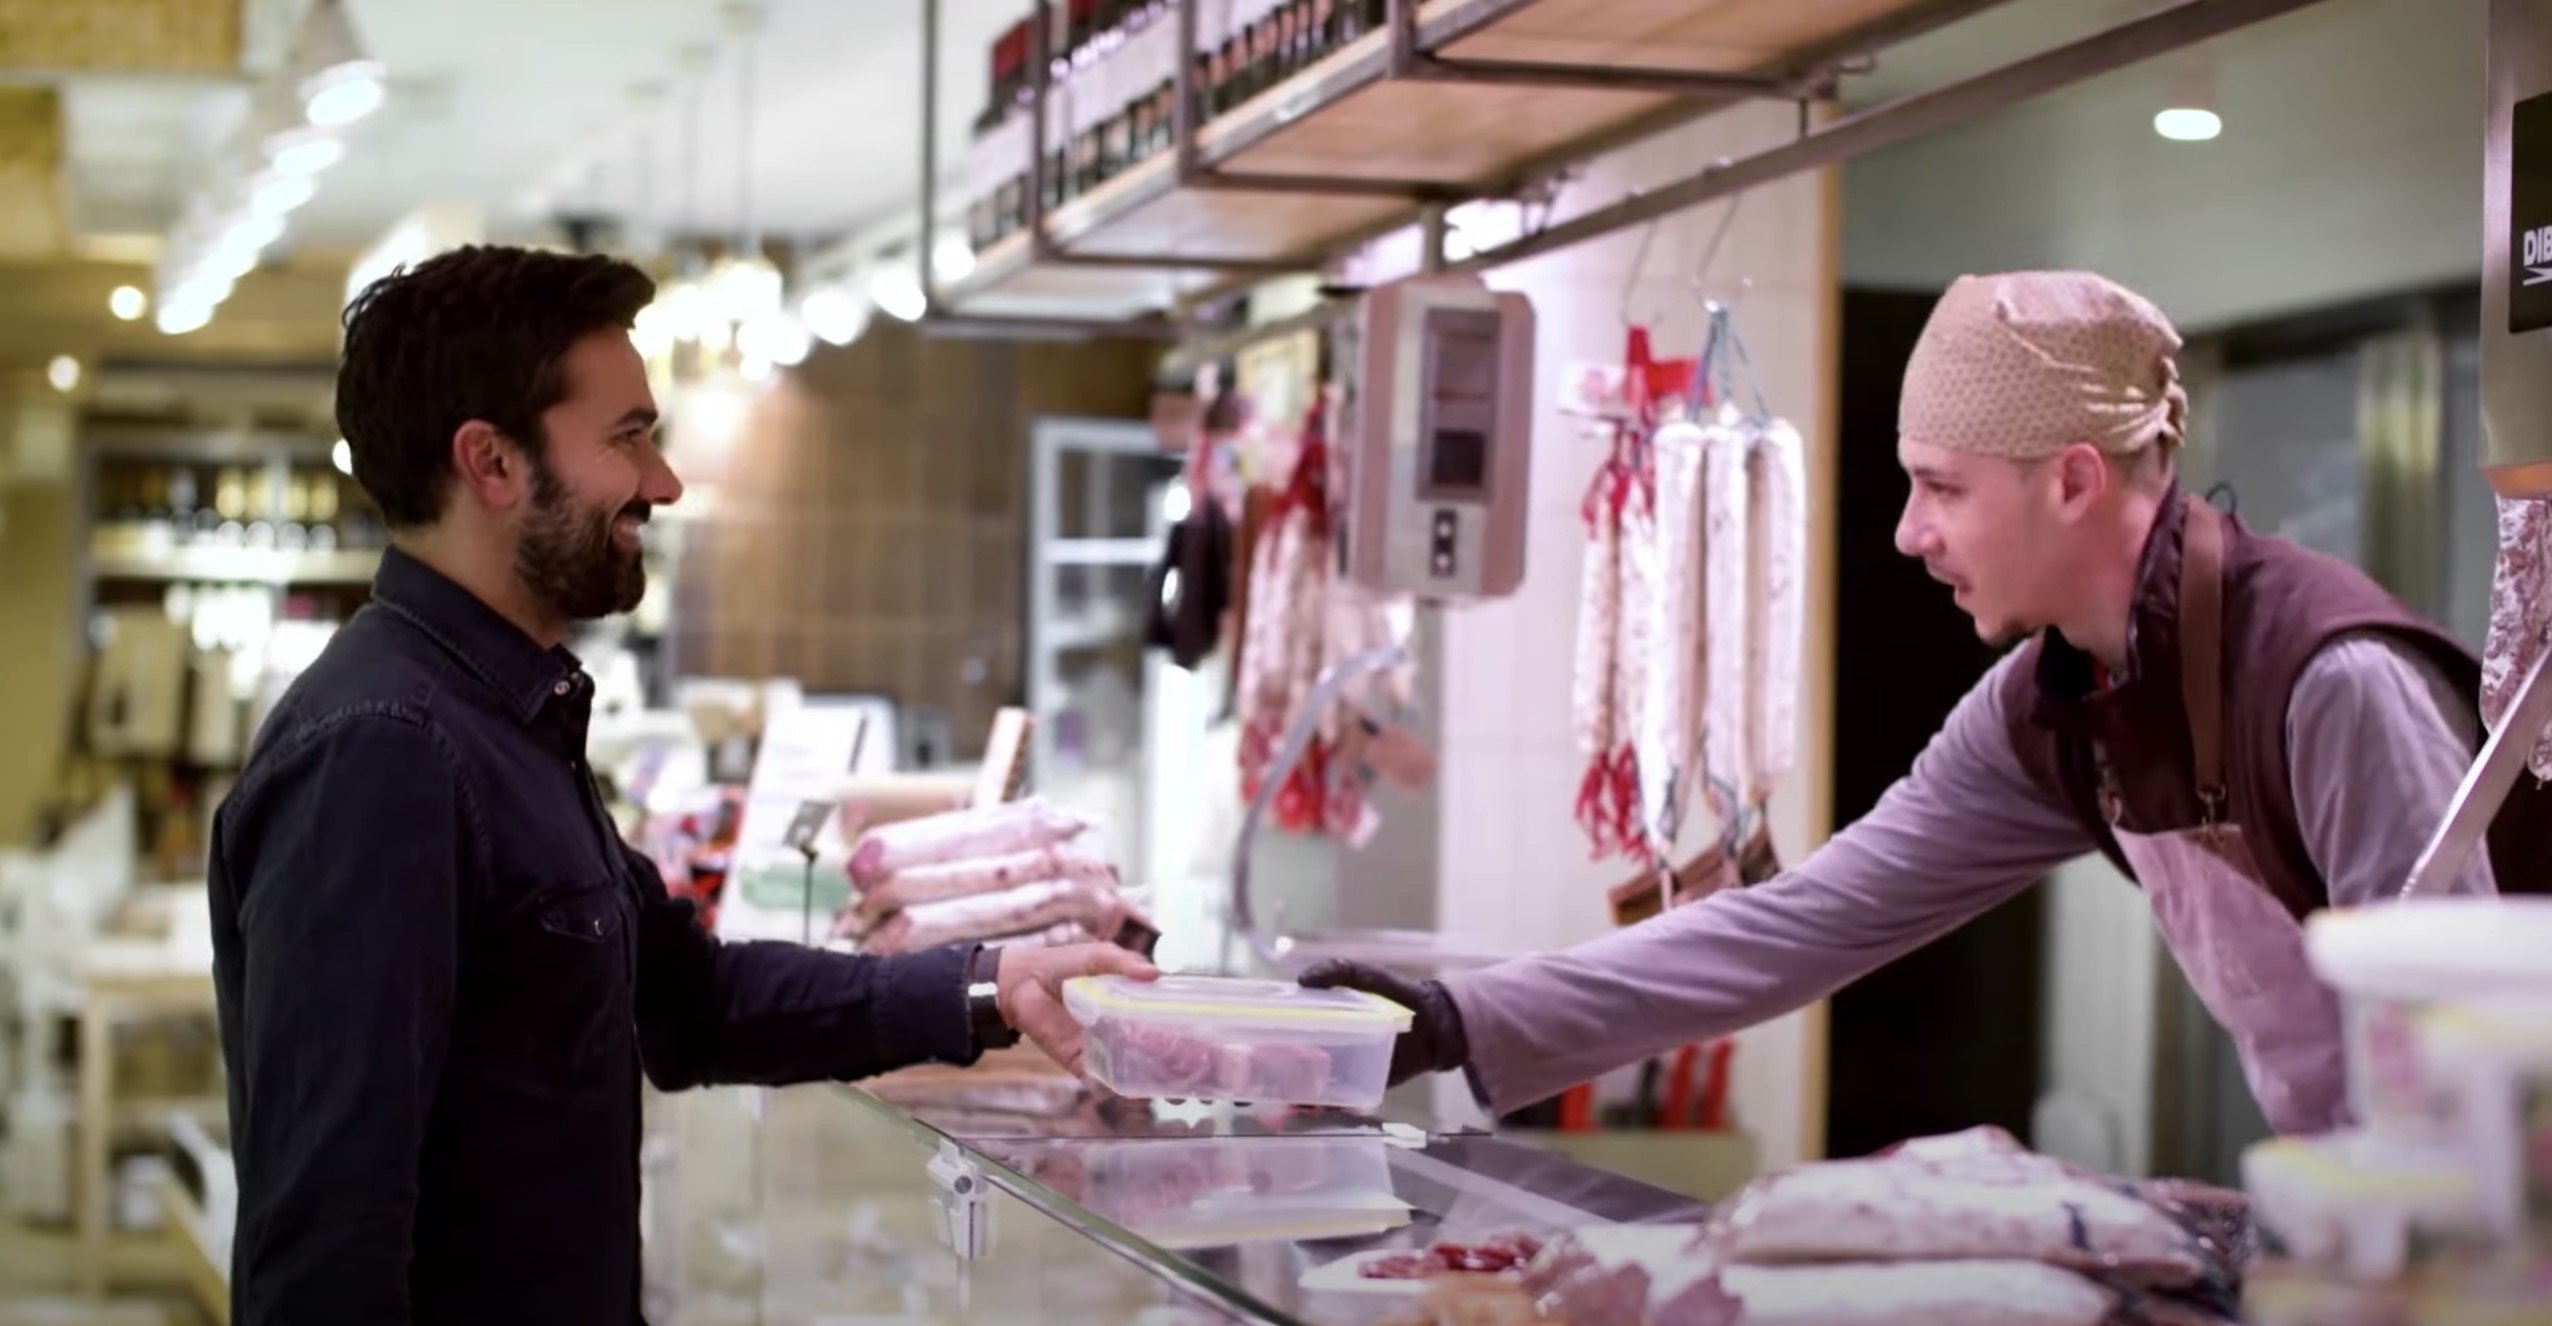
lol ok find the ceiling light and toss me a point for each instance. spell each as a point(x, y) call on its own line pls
point(277, 194)
point(898, 292)
point(63, 373)
point(684, 310)
point(776, 336)
point(206, 286)
point(834, 314)
point(248, 238)
point(342, 456)
point(304, 152)
point(128, 303)
point(755, 368)
point(2188, 124)
point(340, 96)
point(178, 317)
point(652, 331)
point(229, 263)
point(952, 258)
point(743, 289)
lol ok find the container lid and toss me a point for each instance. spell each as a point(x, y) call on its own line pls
point(1233, 1002)
point(2434, 947)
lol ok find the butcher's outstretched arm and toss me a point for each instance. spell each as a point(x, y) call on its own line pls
point(1967, 829)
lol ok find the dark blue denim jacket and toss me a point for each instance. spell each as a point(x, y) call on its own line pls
point(440, 973)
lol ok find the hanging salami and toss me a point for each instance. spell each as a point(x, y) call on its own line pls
point(1778, 529)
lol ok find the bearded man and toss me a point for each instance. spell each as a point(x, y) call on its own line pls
point(440, 972)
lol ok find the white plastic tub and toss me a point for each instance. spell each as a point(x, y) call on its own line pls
point(1221, 1039)
point(2393, 963)
point(2498, 1053)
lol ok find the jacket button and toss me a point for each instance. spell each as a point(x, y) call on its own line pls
point(559, 689)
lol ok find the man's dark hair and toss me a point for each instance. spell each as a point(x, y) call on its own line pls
point(477, 333)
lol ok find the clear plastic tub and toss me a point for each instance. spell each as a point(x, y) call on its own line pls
point(2499, 1052)
point(2393, 963)
point(1220, 1039)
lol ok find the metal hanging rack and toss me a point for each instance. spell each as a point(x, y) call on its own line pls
point(1414, 53)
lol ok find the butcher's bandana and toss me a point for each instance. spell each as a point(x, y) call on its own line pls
point(2024, 364)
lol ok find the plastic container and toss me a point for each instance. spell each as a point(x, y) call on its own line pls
point(2342, 1205)
point(1221, 1039)
point(2391, 964)
point(1218, 1191)
point(2498, 1053)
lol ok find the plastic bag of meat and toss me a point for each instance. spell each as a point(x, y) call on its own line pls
point(1094, 905)
point(965, 835)
point(1884, 1210)
point(990, 874)
point(2520, 613)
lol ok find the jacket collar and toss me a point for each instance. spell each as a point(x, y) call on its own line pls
point(2069, 682)
point(523, 675)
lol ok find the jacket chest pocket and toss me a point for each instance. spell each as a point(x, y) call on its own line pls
point(563, 970)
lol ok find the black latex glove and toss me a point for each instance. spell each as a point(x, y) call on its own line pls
point(1434, 1042)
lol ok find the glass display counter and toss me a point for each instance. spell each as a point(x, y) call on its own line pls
point(957, 1197)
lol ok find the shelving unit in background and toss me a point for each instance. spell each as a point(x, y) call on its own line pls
point(201, 541)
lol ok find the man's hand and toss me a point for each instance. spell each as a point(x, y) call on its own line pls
point(1434, 1042)
point(1031, 991)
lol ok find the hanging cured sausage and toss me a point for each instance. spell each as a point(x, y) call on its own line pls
point(1303, 620)
point(1691, 601)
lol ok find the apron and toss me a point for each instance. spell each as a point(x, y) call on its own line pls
point(2244, 953)
point(2237, 943)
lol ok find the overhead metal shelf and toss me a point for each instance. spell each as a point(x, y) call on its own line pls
point(1460, 99)
point(1486, 91)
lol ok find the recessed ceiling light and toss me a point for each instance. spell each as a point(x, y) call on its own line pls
point(279, 193)
point(344, 94)
point(304, 152)
point(177, 319)
point(128, 303)
point(63, 373)
point(835, 315)
point(2188, 124)
point(898, 292)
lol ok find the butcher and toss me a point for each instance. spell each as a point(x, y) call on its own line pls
point(2248, 729)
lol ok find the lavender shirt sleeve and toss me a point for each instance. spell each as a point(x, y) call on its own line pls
point(1965, 830)
point(2377, 740)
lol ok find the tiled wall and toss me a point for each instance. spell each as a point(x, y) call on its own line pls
point(870, 519)
point(1514, 866)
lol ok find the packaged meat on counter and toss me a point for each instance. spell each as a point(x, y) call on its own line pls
point(1215, 1038)
point(1966, 1230)
point(1021, 874)
point(978, 834)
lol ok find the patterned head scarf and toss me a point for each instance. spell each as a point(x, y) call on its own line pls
point(2024, 364)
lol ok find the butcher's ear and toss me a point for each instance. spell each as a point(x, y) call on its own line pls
point(2081, 475)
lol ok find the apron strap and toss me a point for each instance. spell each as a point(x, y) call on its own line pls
point(2202, 649)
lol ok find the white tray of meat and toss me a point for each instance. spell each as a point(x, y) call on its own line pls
point(1215, 1038)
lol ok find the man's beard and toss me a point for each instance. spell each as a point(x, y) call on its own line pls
point(567, 558)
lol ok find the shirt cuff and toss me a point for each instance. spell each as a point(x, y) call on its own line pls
point(925, 996)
